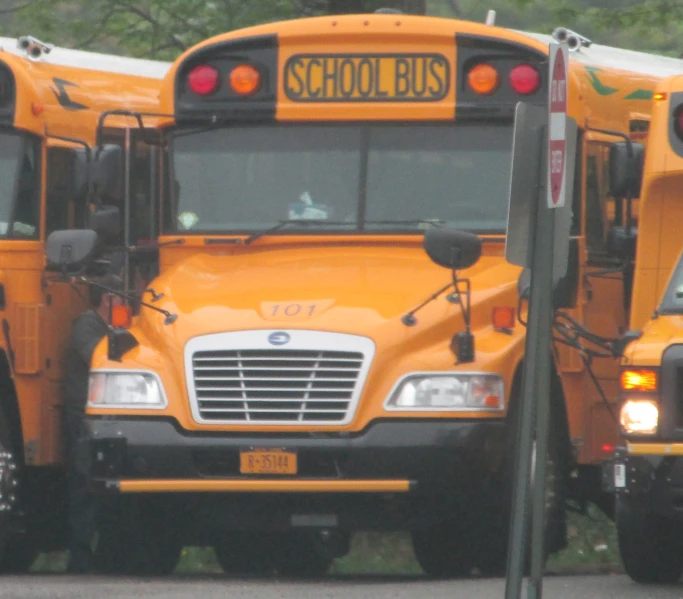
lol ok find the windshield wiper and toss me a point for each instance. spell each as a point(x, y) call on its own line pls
point(305, 222)
point(424, 221)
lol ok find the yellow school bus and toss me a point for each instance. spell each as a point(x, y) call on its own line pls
point(294, 377)
point(50, 103)
point(647, 470)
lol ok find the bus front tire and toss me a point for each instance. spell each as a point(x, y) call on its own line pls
point(651, 547)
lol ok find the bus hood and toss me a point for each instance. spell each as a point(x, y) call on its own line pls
point(658, 335)
point(359, 290)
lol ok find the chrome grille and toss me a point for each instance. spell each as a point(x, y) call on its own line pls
point(275, 385)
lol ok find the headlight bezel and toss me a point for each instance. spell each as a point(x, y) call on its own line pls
point(396, 390)
point(128, 406)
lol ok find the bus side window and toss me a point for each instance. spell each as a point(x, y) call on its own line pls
point(26, 218)
point(600, 208)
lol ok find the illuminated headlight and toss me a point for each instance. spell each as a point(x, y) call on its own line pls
point(125, 390)
point(639, 416)
point(448, 392)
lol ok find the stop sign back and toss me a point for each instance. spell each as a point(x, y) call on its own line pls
point(557, 124)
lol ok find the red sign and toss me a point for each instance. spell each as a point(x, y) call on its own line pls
point(557, 125)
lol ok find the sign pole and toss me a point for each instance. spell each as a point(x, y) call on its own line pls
point(532, 435)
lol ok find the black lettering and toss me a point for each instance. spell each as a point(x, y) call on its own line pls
point(292, 74)
point(365, 73)
point(419, 83)
point(347, 74)
point(402, 82)
point(330, 76)
point(379, 92)
point(313, 93)
point(433, 69)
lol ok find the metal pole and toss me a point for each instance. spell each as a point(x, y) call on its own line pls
point(126, 208)
point(545, 244)
point(537, 356)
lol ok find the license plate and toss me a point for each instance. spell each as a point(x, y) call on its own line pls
point(619, 476)
point(268, 461)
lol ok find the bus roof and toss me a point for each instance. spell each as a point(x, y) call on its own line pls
point(80, 59)
point(600, 56)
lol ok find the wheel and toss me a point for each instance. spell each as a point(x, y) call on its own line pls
point(8, 489)
point(244, 553)
point(133, 539)
point(651, 548)
point(492, 557)
point(301, 555)
point(445, 551)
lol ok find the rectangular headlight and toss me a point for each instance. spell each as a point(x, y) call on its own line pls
point(125, 390)
point(448, 392)
point(639, 417)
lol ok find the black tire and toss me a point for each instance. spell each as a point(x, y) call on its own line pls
point(245, 553)
point(8, 489)
point(651, 548)
point(301, 555)
point(492, 558)
point(445, 550)
point(134, 540)
point(20, 559)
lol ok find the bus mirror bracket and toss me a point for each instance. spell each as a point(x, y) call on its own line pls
point(454, 250)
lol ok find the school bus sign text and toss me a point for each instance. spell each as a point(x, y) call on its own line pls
point(367, 78)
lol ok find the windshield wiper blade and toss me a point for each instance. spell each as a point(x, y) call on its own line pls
point(424, 221)
point(305, 222)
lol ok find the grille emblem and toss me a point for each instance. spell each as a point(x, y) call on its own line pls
point(279, 338)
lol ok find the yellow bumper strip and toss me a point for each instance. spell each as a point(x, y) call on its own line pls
point(264, 486)
point(655, 448)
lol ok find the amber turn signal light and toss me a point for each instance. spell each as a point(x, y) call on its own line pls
point(483, 79)
point(120, 316)
point(245, 79)
point(639, 380)
point(503, 317)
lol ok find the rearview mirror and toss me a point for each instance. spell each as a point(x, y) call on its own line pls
point(69, 250)
point(451, 248)
point(80, 172)
point(625, 172)
point(622, 243)
point(106, 222)
point(107, 176)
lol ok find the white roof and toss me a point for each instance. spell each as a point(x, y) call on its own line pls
point(616, 58)
point(80, 59)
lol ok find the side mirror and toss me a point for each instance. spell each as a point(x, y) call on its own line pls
point(106, 222)
point(70, 250)
point(625, 172)
point(622, 243)
point(451, 248)
point(107, 176)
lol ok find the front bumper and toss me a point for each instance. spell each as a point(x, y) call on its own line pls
point(392, 472)
point(650, 474)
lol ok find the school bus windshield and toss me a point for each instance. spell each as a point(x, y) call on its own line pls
point(672, 302)
point(373, 177)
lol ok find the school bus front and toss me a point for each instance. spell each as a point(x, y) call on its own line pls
point(293, 382)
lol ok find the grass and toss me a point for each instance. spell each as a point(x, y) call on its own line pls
point(592, 548)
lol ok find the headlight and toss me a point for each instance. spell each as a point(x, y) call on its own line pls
point(639, 416)
point(125, 390)
point(448, 392)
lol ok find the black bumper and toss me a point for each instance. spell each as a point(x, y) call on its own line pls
point(437, 455)
point(653, 481)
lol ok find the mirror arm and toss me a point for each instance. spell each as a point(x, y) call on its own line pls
point(138, 116)
point(623, 136)
point(409, 319)
point(170, 318)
